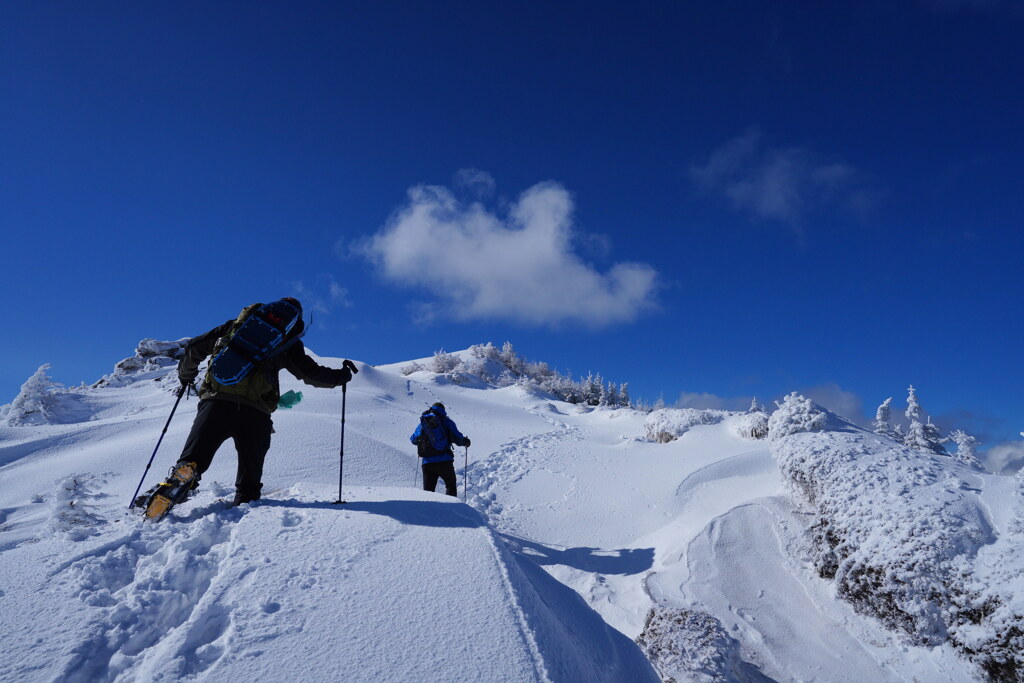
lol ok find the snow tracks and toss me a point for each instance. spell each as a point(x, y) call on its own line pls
point(387, 587)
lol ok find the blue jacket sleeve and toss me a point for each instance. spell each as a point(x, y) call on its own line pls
point(457, 438)
point(416, 435)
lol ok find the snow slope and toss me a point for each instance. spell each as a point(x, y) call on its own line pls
point(698, 538)
point(398, 584)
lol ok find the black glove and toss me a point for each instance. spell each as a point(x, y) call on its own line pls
point(342, 376)
point(467, 442)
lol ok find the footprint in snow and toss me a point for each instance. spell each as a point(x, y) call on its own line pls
point(290, 519)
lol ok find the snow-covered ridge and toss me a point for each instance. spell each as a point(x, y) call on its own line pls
point(907, 536)
point(692, 545)
point(399, 584)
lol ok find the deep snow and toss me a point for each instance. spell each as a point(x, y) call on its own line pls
point(401, 584)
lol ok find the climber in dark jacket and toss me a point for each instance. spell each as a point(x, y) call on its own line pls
point(242, 411)
point(438, 462)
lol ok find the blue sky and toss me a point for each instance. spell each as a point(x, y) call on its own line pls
point(707, 200)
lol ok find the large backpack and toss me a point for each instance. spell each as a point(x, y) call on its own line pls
point(432, 428)
point(259, 333)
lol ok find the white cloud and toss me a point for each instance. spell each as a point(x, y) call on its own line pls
point(479, 184)
point(1005, 458)
point(517, 266)
point(781, 184)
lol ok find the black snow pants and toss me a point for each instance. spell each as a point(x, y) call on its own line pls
point(216, 422)
point(444, 470)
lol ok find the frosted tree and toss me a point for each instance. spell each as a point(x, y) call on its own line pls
point(36, 402)
point(795, 414)
point(913, 406)
point(611, 396)
point(624, 399)
point(882, 417)
point(966, 448)
point(755, 406)
point(484, 351)
point(444, 362)
point(511, 359)
point(660, 403)
point(923, 437)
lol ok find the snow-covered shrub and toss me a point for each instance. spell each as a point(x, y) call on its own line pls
point(506, 368)
point(751, 425)
point(668, 424)
point(796, 414)
point(901, 533)
point(36, 403)
point(73, 505)
point(444, 362)
point(411, 368)
point(686, 645)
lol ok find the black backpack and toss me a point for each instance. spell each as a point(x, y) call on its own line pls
point(433, 431)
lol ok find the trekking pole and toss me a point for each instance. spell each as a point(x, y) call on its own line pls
point(415, 471)
point(341, 462)
point(465, 478)
point(181, 392)
point(341, 459)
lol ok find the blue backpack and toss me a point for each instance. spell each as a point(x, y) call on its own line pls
point(433, 429)
point(259, 334)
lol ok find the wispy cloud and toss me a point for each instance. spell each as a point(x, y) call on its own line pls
point(783, 184)
point(518, 264)
point(840, 401)
point(479, 184)
point(323, 295)
point(705, 400)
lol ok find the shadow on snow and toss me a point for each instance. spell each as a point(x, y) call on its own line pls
point(415, 512)
point(623, 561)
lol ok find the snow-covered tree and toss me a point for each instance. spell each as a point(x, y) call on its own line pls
point(795, 414)
point(913, 406)
point(923, 437)
point(511, 359)
point(755, 406)
point(611, 396)
point(36, 402)
point(486, 351)
point(624, 400)
point(882, 417)
point(966, 447)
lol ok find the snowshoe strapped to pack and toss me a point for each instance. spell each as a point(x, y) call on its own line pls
point(261, 333)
